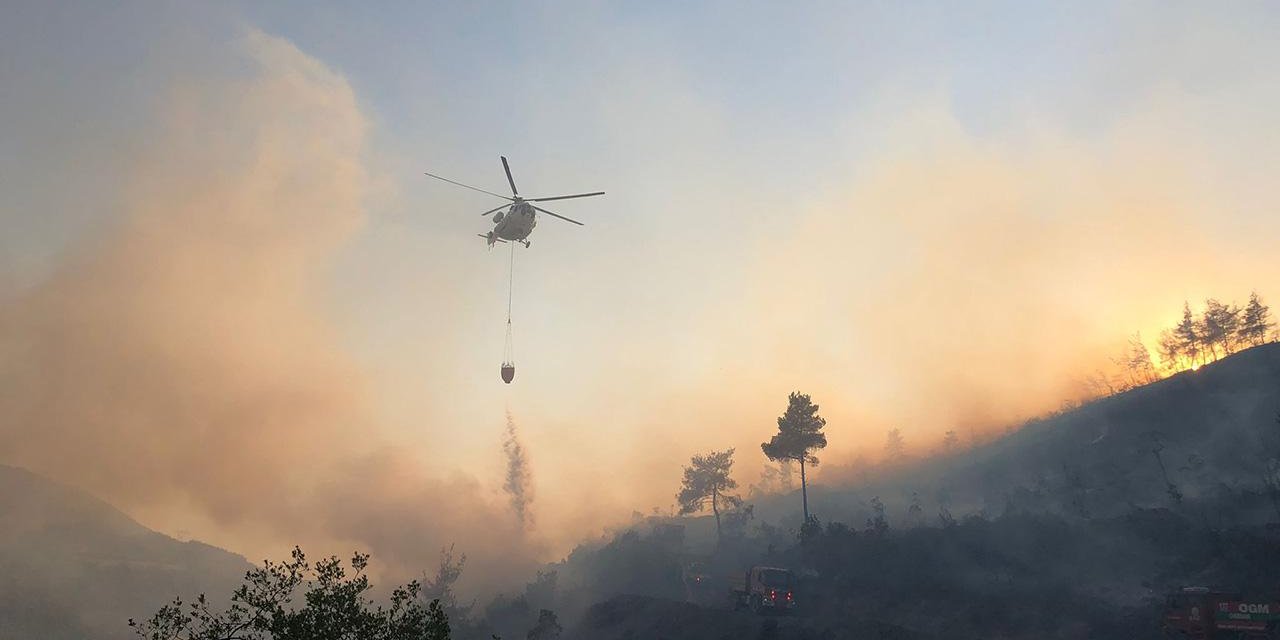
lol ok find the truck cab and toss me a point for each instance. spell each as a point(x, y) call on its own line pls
point(1200, 613)
point(764, 589)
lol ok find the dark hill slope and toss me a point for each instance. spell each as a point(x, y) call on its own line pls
point(1066, 527)
point(1217, 434)
point(1215, 427)
point(72, 566)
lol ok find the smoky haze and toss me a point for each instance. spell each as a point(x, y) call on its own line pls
point(907, 266)
point(968, 282)
point(180, 366)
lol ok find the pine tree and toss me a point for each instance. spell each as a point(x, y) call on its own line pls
point(1208, 331)
point(1218, 326)
point(1256, 322)
point(1229, 318)
point(1171, 354)
point(914, 509)
point(799, 433)
point(706, 480)
point(1137, 362)
point(877, 524)
point(950, 442)
point(1188, 335)
point(895, 448)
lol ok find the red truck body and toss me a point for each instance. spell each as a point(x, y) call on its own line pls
point(764, 589)
point(1198, 613)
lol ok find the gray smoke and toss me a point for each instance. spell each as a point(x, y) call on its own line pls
point(519, 482)
point(180, 363)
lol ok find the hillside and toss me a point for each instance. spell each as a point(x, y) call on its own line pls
point(1216, 427)
point(1065, 527)
point(75, 567)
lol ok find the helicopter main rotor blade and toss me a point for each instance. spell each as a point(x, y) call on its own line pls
point(468, 186)
point(550, 213)
point(510, 181)
point(576, 195)
point(497, 208)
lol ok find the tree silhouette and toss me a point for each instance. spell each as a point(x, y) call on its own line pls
point(877, 524)
point(440, 587)
point(799, 433)
point(1157, 445)
point(1137, 362)
point(334, 605)
point(547, 628)
point(1230, 318)
point(1171, 354)
point(1256, 322)
point(774, 479)
point(705, 481)
point(1188, 335)
point(1221, 330)
point(950, 442)
point(915, 510)
point(895, 448)
point(1218, 327)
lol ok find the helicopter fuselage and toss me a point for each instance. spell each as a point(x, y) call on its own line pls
point(517, 223)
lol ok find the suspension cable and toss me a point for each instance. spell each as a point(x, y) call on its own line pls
point(511, 276)
point(508, 354)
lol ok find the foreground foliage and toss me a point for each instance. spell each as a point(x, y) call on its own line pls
point(334, 606)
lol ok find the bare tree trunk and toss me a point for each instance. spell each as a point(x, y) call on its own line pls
point(804, 491)
point(715, 508)
point(1171, 488)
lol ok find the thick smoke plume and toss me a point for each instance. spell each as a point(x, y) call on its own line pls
point(180, 365)
point(519, 481)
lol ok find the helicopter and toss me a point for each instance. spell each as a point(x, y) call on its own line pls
point(520, 217)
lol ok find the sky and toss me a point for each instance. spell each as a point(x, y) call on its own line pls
point(232, 304)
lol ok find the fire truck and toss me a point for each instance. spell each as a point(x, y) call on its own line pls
point(764, 589)
point(1200, 613)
